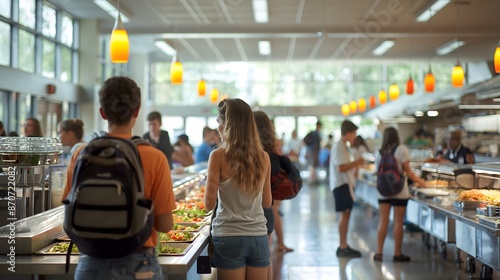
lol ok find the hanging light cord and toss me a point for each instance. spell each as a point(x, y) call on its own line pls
point(458, 28)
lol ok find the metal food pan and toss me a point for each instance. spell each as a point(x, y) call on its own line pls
point(195, 234)
point(184, 246)
point(469, 205)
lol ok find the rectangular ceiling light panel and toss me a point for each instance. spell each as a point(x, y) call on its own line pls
point(431, 10)
point(112, 10)
point(264, 48)
point(449, 47)
point(260, 11)
point(383, 48)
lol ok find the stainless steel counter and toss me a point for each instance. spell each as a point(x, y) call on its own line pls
point(176, 267)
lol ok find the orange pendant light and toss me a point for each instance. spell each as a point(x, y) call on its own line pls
point(457, 75)
point(497, 60)
point(202, 87)
point(410, 86)
point(353, 107)
point(118, 43)
point(373, 101)
point(361, 104)
point(345, 110)
point(382, 96)
point(214, 95)
point(429, 82)
point(394, 92)
point(176, 71)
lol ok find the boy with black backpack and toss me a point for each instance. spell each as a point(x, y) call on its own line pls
point(146, 207)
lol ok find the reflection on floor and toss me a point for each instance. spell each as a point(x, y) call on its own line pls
point(310, 227)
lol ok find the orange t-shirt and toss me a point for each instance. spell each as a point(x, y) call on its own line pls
point(157, 181)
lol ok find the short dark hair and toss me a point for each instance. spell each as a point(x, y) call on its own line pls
point(74, 125)
point(119, 97)
point(155, 115)
point(347, 126)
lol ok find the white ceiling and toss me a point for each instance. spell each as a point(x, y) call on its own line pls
point(300, 30)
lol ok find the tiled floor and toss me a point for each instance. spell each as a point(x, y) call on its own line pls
point(310, 224)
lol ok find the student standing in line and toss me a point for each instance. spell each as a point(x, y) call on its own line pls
point(239, 181)
point(158, 137)
point(207, 146)
point(120, 100)
point(71, 133)
point(342, 184)
point(390, 142)
point(32, 128)
point(313, 145)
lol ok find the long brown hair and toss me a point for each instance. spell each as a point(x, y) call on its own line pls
point(36, 126)
point(390, 139)
point(266, 131)
point(242, 146)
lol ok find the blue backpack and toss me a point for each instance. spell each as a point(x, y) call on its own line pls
point(390, 180)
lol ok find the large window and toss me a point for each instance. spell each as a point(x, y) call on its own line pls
point(66, 64)
point(67, 30)
point(48, 59)
point(27, 15)
point(26, 51)
point(48, 21)
point(5, 8)
point(4, 43)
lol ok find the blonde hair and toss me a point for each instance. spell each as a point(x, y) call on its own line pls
point(242, 147)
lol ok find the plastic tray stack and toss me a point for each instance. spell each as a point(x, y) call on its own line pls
point(30, 151)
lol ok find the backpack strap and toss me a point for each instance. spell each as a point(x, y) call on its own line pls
point(140, 141)
point(393, 150)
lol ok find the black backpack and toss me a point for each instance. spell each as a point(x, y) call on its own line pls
point(106, 213)
point(390, 179)
point(285, 177)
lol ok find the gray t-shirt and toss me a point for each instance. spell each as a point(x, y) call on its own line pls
point(402, 155)
point(340, 155)
point(237, 213)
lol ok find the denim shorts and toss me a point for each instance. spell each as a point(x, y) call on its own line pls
point(124, 269)
point(232, 252)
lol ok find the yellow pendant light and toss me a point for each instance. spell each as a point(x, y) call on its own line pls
point(394, 92)
point(429, 82)
point(362, 104)
point(176, 70)
point(497, 59)
point(118, 43)
point(345, 110)
point(457, 75)
point(202, 87)
point(382, 96)
point(353, 107)
point(214, 95)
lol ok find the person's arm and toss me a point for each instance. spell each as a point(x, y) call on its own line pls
point(162, 193)
point(164, 222)
point(410, 174)
point(348, 166)
point(267, 197)
point(213, 179)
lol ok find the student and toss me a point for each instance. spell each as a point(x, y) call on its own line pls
point(183, 151)
point(71, 133)
point(207, 146)
point(32, 128)
point(399, 201)
point(158, 137)
point(120, 100)
point(313, 144)
point(239, 181)
point(342, 184)
point(2, 130)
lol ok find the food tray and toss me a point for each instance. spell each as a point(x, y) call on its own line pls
point(184, 246)
point(200, 226)
point(46, 250)
point(469, 205)
point(194, 235)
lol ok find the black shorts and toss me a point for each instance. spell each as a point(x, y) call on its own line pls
point(268, 213)
point(343, 198)
point(394, 202)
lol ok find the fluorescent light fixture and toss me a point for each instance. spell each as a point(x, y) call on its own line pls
point(419, 114)
point(400, 120)
point(477, 107)
point(432, 113)
point(260, 11)
point(384, 47)
point(431, 10)
point(449, 47)
point(166, 48)
point(264, 48)
point(112, 9)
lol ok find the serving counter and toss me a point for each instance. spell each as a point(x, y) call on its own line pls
point(36, 232)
